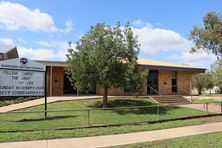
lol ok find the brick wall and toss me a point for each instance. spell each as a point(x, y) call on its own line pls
point(183, 82)
point(115, 91)
point(165, 82)
point(184, 79)
point(57, 81)
point(118, 91)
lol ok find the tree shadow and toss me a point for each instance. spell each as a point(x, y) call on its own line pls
point(161, 110)
point(122, 103)
point(47, 119)
point(146, 107)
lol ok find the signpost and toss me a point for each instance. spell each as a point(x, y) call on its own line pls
point(22, 77)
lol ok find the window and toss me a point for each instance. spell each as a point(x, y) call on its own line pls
point(174, 81)
point(1, 56)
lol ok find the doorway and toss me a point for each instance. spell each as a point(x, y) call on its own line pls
point(68, 88)
point(152, 82)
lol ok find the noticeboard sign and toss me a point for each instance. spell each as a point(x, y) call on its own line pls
point(22, 77)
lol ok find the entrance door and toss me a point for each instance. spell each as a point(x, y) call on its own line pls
point(68, 88)
point(152, 81)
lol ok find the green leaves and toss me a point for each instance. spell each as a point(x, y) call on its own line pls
point(106, 56)
point(208, 38)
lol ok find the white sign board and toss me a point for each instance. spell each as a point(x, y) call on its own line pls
point(22, 64)
point(22, 77)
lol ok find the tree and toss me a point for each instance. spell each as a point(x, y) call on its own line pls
point(201, 81)
point(209, 81)
point(106, 56)
point(208, 38)
point(217, 74)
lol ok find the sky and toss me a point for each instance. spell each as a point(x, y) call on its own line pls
point(41, 29)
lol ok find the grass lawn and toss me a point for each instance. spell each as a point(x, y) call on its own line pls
point(196, 100)
point(30, 121)
point(211, 140)
point(53, 134)
point(35, 121)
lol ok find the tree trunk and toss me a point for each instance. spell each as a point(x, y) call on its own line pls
point(105, 97)
point(199, 92)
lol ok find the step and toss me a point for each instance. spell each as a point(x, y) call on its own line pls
point(171, 99)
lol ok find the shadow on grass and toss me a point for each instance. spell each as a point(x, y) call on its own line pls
point(148, 109)
point(47, 119)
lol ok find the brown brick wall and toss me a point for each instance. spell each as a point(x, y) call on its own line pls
point(57, 81)
point(183, 82)
point(165, 82)
point(184, 79)
point(115, 91)
point(118, 91)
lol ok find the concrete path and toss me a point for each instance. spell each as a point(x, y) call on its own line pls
point(42, 101)
point(213, 108)
point(120, 139)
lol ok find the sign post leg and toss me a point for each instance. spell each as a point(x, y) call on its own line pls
point(46, 94)
point(45, 106)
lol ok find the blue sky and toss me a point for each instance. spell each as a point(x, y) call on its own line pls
point(40, 29)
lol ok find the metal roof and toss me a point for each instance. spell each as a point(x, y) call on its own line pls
point(160, 65)
point(147, 63)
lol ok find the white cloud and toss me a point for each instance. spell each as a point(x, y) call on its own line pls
point(55, 50)
point(6, 41)
point(203, 59)
point(14, 16)
point(156, 39)
point(141, 23)
point(42, 53)
point(54, 43)
point(69, 26)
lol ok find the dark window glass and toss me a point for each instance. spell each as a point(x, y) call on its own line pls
point(174, 81)
point(174, 89)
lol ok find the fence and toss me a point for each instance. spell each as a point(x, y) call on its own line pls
point(16, 121)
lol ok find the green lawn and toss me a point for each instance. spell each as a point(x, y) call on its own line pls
point(30, 121)
point(53, 134)
point(212, 140)
point(196, 100)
